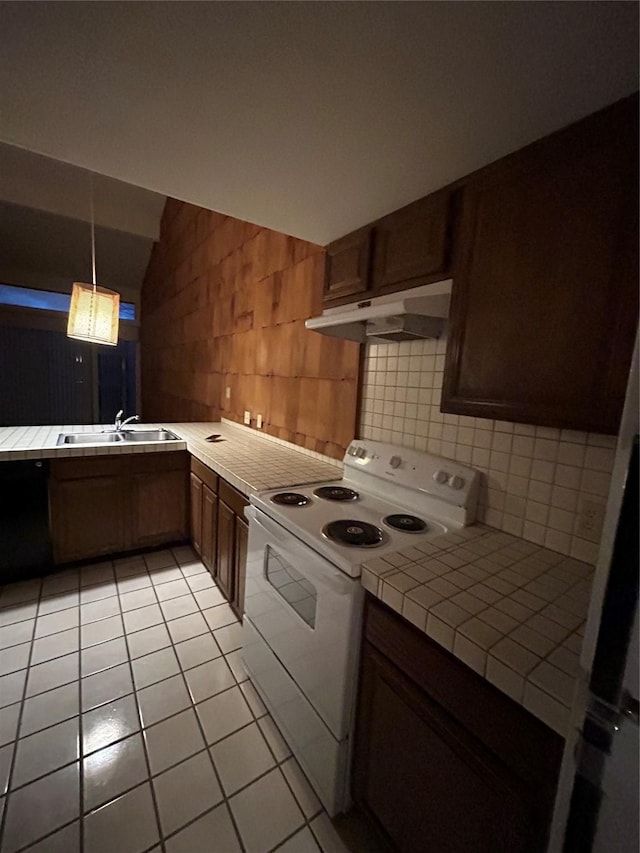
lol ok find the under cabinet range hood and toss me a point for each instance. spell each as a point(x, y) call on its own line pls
point(408, 315)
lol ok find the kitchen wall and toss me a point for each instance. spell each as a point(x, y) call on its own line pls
point(538, 480)
point(223, 306)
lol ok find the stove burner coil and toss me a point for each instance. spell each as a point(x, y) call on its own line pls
point(406, 523)
point(336, 493)
point(358, 534)
point(291, 499)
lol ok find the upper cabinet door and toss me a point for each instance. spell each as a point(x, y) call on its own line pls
point(347, 266)
point(544, 305)
point(412, 244)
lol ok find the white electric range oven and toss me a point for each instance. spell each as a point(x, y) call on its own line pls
point(303, 598)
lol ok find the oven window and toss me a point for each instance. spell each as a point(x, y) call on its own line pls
point(299, 594)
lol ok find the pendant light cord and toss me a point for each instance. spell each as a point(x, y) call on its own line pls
point(93, 238)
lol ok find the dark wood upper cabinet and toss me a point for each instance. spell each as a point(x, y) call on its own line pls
point(545, 299)
point(347, 265)
point(411, 245)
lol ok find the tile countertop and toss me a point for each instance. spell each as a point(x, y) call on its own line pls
point(511, 610)
point(248, 461)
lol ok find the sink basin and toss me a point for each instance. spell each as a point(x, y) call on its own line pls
point(125, 435)
point(148, 435)
point(89, 438)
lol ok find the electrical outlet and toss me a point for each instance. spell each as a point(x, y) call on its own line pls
point(590, 520)
point(259, 421)
point(227, 393)
point(247, 418)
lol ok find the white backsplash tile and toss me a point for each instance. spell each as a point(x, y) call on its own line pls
point(535, 478)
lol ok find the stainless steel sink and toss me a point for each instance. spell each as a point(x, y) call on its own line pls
point(125, 435)
point(89, 437)
point(148, 435)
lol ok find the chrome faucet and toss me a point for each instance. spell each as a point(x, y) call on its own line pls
point(119, 423)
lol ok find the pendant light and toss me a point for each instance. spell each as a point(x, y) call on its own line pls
point(94, 311)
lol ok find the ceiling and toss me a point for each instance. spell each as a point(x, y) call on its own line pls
point(312, 118)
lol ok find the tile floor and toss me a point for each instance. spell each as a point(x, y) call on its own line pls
point(127, 723)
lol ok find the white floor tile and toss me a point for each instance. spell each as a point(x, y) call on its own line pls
point(96, 610)
point(173, 589)
point(164, 575)
point(200, 582)
point(97, 573)
point(229, 638)
point(12, 687)
point(207, 596)
point(9, 716)
point(159, 559)
point(223, 714)
point(184, 554)
point(187, 627)
point(301, 842)
point(6, 756)
point(174, 608)
point(17, 657)
point(327, 837)
point(61, 601)
point(127, 824)
point(62, 620)
point(66, 840)
point(112, 770)
point(274, 738)
point(155, 667)
point(104, 655)
point(106, 686)
point(197, 837)
point(194, 568)
point(266, 813)
point(137, 598)
point(18, 613)
point(60, 582)
point(55, 646)
point(143, 617)
point(148, 640)
point(133, 582)
point(236, 664)
point(49, 708)
point(197, 650)
point(100, 632)
point(57, 802)
point(253, 700)
point(17, 593)
point(302, 790)
point(162, 700)
point(17, 633)
point(219, 616)
point(185, 791)
point(98, 592)
point(109, 723)
point(173, 740)
point(45, 751)
point(241, 758)
point(55, 673)
point(209, 678)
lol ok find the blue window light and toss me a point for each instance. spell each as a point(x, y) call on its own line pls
point(47, 300)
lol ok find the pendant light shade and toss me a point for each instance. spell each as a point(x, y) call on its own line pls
point(93, 315)
point(94, 311)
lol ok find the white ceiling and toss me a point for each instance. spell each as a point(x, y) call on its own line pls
point(310, 118)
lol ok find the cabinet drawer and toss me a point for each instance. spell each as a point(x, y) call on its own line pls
point(233, 498)
point(94, 466)
point(168, 460)
point(209, 477)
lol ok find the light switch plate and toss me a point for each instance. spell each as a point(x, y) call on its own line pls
point(259, 421)
point(227, 393)
point(247, 418)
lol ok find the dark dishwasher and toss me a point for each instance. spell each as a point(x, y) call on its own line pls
point(25, 543)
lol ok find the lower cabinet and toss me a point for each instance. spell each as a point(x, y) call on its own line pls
point(442, 760)
point(110, 504)
point(219, 532)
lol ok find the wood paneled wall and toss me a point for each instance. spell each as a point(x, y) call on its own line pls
point(223, 306)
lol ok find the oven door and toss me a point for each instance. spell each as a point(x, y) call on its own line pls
point(308, 613)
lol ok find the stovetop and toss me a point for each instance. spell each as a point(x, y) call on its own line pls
point(387, 481)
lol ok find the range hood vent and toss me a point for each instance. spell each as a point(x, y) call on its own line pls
point(405, 316)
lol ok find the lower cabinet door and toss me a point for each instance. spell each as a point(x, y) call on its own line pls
point(209, 536)
point(87, 517)
point(196, 486)
point(159, 508)
point(225, 561)
point(427, 782)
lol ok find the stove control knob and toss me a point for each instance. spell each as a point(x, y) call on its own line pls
point(395, 461)
point(441, 477)
point(456, 482)
point(361, 452)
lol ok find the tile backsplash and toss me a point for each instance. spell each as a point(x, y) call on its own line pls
point(539, 483)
